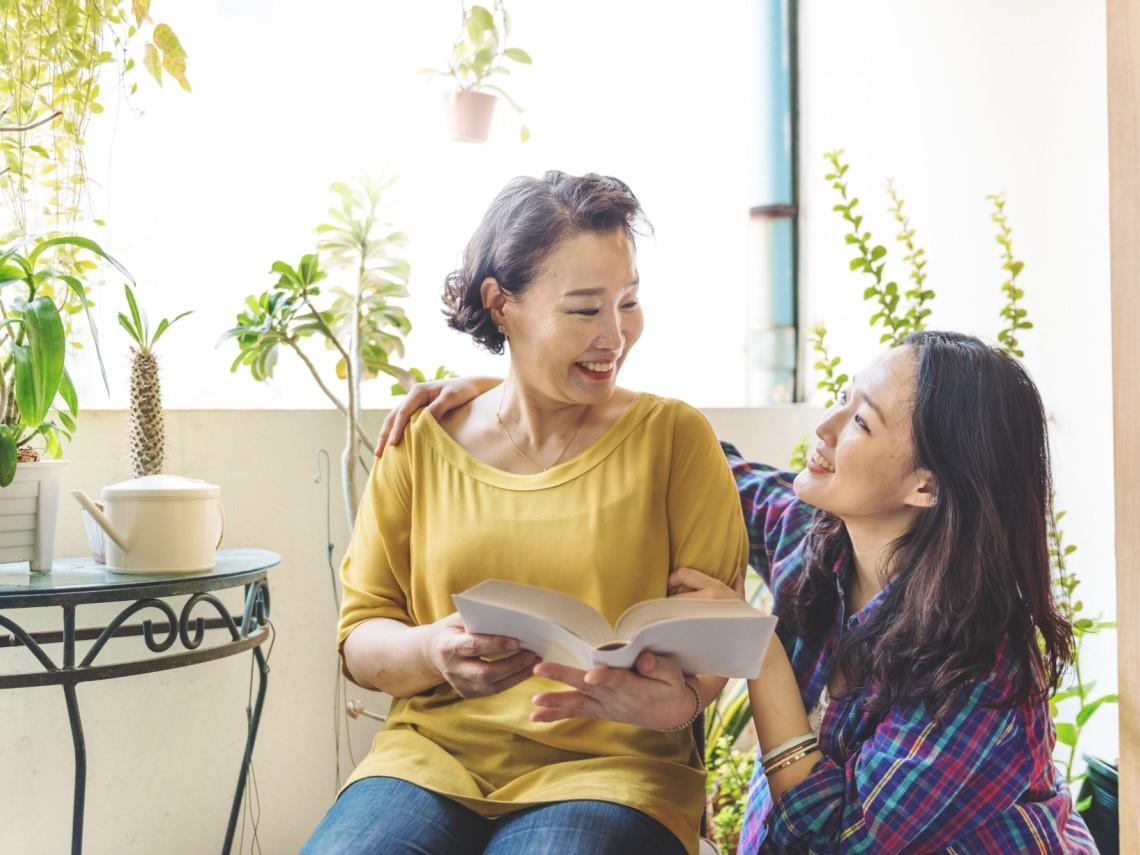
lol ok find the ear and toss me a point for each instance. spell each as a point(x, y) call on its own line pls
point(494, 299)
point(923, 490)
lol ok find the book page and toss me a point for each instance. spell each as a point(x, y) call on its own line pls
point(550, 641)
point(725, 645)
point(561, 609)
point(639, 616)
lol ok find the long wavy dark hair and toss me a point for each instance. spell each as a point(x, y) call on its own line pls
point(972, 577)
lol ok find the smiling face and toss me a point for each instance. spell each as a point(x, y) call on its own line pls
point(572, 329)
point(863, 466)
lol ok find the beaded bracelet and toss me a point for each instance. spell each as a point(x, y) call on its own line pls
point(692, 686)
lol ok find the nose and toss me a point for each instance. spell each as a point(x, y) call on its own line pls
point(610, 334)
point(828, 427)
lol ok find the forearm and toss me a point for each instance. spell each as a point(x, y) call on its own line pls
point(389, 656)
point(710, 687)
point(778, 712)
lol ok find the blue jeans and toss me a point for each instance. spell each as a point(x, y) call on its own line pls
point(387, 816)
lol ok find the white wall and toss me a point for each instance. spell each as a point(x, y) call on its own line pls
point(163, 750)
point(955, 100)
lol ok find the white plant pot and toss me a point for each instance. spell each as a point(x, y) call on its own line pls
point(29, 507)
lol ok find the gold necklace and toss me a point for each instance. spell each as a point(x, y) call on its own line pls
point(565, 448)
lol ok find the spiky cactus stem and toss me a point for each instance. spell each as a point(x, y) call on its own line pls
point(147, 433)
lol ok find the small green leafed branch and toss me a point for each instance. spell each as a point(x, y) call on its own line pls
point(1075, 688)
point(1014, 316)
point(869, 259)
point(918, 295)
point(832, 380)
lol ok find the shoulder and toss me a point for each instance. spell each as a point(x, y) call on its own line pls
point(684, 420)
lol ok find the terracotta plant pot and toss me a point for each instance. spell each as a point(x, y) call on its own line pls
point(469, 115)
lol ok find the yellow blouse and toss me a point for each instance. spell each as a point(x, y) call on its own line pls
point(652, 493)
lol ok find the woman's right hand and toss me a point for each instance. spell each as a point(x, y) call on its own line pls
point(439, 396)
point(459, 657)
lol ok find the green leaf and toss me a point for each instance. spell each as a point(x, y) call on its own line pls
point(481, 19)
point(1084, 804)
point(67, 392)
point(8, 455)
point(518, 55)
point(140, 332)
point(39, 363)
point(167, 41)
point(152, 62)
point(1086, 711)
point(878, 252)
point(140, 8)
point(1067, 733)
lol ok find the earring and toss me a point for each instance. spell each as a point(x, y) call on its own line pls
point(501, 330)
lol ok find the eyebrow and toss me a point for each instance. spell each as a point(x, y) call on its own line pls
point(870, 403)
point(595, 292)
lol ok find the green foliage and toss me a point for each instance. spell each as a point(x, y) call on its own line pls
point(441, 373)
point(869, 259)
point(726, 788)
point(479, 56)
point(361, 321)
point(799, 459)
point(52, 56)
point(833, 381)
point(918, 295)
point(282, 315)
point(37, 398)
point(1075, 689)
point(364, 316)
point(1013, 315)
point(137, 327)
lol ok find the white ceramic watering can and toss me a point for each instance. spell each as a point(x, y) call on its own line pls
point(159, 524)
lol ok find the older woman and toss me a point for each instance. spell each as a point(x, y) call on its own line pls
point(558, 478)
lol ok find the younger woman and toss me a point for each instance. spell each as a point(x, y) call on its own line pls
point(906, 708)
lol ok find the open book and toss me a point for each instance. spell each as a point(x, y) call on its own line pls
point(723, 637)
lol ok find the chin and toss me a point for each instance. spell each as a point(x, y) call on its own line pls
point(807, 489)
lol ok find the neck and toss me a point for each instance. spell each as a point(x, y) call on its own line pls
point(535, 418)
point(871, 541)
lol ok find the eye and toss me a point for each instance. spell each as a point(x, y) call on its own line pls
point(843, 397)
point(859, 420)
point(632, 304)
point(589, 313)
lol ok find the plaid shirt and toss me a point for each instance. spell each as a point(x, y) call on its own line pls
point(981, 781)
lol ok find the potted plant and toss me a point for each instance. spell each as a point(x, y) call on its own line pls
point(147, 427)
point(477, 58)
point(361, 322)
point(38, 403)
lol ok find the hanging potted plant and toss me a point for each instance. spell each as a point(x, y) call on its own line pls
point(478, 57)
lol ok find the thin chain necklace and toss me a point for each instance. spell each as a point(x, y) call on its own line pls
point(565, 448)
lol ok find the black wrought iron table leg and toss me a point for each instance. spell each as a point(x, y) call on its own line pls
point(80, 769)
point(251, 737)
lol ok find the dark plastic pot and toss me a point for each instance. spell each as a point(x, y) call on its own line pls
point(1103, 815)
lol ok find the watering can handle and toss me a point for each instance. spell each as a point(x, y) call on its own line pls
point(221, 524)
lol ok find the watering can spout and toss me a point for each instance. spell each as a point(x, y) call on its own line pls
point(100, 518)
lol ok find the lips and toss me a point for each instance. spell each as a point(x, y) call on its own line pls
point(822, 462)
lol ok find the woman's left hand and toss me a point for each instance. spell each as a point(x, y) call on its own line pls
point(652, 694)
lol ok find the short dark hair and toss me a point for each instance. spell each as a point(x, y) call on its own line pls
point(523, 225)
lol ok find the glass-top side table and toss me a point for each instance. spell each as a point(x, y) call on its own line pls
point(173, 639)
